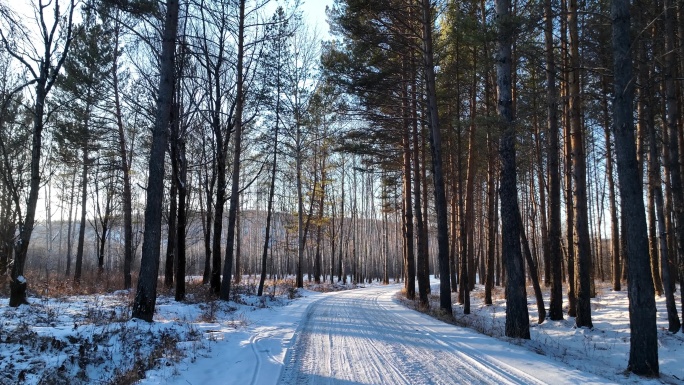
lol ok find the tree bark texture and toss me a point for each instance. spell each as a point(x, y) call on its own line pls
point(146, 293)
point(643, 352)
point(437, 171)
point(582, 241)
point(517, 317)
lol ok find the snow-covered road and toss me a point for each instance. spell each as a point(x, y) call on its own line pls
point(363, 337)
point(357, 337)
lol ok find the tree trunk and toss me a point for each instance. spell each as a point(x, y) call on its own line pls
point(555, 251)
point(491, 223)
point(672, 111)
point(614, 220)
point(542, 206)
point(301, 242)
point(81, 229)
point(341, 276)
point(646, 122)
point(422, 258)
point(146, 294)
point(409, 256)
point(318, 259)
point(517, 318)
point(470, 195)
point(105, 224)
point(579, 170)
point(533, 270)
point(46, 78)
point(436, 148)
point(221, 154)
point(643, 352)
point(238, 246)
point(235, 186)
point(125, 164)
point(70, 226)
point(181, 221)
point(656, 191)
point(173, 207)
point(207, 221)
point(271, 194)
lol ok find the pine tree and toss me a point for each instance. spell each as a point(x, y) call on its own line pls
point(643, 352)
point(517, 318)
point(83, 88)
point(146, 293)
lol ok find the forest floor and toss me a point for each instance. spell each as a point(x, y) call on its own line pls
point(91, 339)
point(88, 339)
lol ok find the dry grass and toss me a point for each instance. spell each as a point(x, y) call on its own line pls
point(56, 285)
point(46, 285)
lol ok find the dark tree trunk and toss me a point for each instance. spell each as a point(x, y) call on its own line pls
point(70, 226)
point(643, 353)
point(207, 221)
point(453, 201)
point(424, 183)
point(463, 276)
point(542, 207)
point(583, 260)
point(656, 191)
point(422, 258)
point(215, 281)
point(125, 165)
point(146, 293)
point(469, 215)
point(235, 186)
point(491, 223)
point(82, 226)
point(517, 318)
point(238, 247)
point(614, 220)
point(318, 260)
point(555, 252)
point(646, 124)
point(409, 256)
point(105, 221)
point(173, 214)
point(672, 115)
point(221, 153)
point(181, 222)
point(341, 276)
point(271, 194)
point(533, 270)
point(437, 171)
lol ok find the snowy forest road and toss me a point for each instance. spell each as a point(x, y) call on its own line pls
point(363, 337)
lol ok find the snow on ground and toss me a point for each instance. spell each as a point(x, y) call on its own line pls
point(91, 339)
point(603, 350)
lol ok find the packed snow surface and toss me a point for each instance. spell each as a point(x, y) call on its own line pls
point(364, 336)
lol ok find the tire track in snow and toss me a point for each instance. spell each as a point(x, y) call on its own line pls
point(440, 362)
point(364, 337)
point(356, 341)
point(498, 371)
